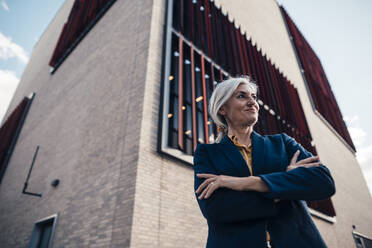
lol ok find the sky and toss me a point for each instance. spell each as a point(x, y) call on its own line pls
point(339, 31)
point(22, 22)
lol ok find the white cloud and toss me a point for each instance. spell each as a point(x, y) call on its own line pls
point(358, 135)
point(364, 157)
point(8, 85)
point(4, 5)
point(9, 49)
point(364, 151)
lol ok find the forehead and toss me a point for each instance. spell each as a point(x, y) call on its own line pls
point(245, 88)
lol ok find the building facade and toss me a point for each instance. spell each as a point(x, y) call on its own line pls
point(97, 143)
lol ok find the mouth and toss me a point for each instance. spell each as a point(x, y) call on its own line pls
point(252, 110)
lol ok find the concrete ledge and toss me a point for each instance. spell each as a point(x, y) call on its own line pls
point(322, 216)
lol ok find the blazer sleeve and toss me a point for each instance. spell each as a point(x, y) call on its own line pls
point(314, 183)
point(226, 205)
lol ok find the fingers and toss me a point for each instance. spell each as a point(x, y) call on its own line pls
point(205, 184)
point(312, 164)
point(210, 178)
point(290, 167)
point(309, 165)
point(208, 186)
point(303, 161)
point(307, 160)
point(208, 190)
point(295, 156)
point(203, 193)
point(205, 175)
point(212, 187)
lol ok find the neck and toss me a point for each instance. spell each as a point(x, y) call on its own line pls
point(242, 133)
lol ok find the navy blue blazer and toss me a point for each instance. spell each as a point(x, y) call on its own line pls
point(240, 218)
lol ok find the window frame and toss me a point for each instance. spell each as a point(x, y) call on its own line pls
point(165, 91)
point(55, 60)
point(36, 234)
point(362, 238)
point(320, 215)
point(5, 162)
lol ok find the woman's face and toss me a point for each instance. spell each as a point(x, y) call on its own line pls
point(242, 107)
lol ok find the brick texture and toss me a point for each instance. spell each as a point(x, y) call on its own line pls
point(86, 118)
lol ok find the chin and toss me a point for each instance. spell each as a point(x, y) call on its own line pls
point(250, 122)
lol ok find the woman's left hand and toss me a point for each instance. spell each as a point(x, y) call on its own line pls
point(214, 182)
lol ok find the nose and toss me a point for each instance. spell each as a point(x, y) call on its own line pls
point(251, 100)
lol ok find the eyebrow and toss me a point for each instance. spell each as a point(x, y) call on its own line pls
point(243, 92)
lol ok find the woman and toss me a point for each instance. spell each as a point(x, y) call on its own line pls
point(251, 188)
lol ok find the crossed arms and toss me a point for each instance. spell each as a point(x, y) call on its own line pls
point(242, 198)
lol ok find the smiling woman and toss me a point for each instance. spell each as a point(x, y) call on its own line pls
point(240, 95)
point(251, 188)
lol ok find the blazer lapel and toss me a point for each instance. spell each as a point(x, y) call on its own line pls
point(237, 160)
point(258, 153)
point(233, 154)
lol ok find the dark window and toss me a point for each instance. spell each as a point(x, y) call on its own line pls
point(206, 48)
point(42, 235)
point(323, 206)
point(197, 36)
point(362, 241)
point(322, 96)
point(83, 16)
point(10, 131)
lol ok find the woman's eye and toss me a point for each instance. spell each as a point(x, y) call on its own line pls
point(254, 97)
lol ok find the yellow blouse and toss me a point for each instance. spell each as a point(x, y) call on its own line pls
point(245, 151)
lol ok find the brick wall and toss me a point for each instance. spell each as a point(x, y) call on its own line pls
point(86, 119)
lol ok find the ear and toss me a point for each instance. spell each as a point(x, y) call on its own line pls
point(222, 111)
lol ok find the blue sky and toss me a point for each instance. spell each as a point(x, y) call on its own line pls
point(21, 24)
point(339, 31)
point(24, 21)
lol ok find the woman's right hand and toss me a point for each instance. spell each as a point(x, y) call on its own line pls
point(307, 162)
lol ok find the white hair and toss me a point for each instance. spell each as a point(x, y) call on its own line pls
point(221, 94)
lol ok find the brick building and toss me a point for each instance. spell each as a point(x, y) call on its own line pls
point(97, 143)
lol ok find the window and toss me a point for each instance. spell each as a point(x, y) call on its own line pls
point(10, 131)
point(43, 233)
point(84, 14)
point(321, 93)
point(362, 241)
point(202, 48)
